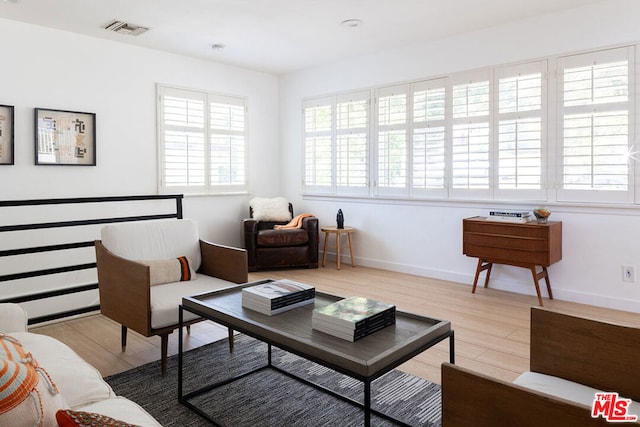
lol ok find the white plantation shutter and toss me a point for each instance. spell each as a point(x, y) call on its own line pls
point(182, 131)
point(521, 96)
point(202, 141)
point(470, 146)
point(428, 156)
point(393, 140)
point(596, 109)
point(227, 132)
point(336, 144)
point(318, 151)
point(559, 129)
point(352, 143)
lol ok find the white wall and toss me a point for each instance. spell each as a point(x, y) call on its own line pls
point(53, 69)
point(426, 238)
point(47, 68)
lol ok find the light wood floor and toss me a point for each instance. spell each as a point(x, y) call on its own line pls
point(491, 327)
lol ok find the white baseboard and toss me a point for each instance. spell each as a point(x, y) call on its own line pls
point(510, 286)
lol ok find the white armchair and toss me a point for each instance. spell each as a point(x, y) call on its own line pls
point(137, 263)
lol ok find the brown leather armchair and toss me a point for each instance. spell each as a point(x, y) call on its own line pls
point(269, 248)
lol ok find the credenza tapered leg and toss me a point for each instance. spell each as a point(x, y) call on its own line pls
point(487, 267)
point(546, 279)
point(479, 269)
point(537, 283)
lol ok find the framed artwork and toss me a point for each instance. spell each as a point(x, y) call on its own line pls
point(6, 134)
point(65, 137)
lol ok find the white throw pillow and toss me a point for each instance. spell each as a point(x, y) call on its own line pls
point(169, 270)
point(274, 209)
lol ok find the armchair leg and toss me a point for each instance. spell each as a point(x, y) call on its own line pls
point(231, 340)
point(123, 337)
point(164, 345)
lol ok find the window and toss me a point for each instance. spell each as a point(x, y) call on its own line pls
point(393, 140)
point(521, 96)
point(596, 133)
point(470, 143)
point(318, 125)
point(202, 142)
point(556, 129)
point(411, 139)
point(336, 144)
point(428, 138)
point(352, 145)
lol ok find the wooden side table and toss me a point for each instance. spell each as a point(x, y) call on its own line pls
point(337, 231)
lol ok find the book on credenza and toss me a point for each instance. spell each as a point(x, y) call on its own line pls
point(498, 218)
point(353, 318)
point(277, 296)
point(511, 216)
point(508, 213)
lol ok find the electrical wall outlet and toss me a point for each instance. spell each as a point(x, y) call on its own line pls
point(628, 273)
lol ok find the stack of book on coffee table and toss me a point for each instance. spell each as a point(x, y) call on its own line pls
point(353, 318)
point(277, 296)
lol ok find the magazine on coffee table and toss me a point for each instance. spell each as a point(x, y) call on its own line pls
point(353, 318)
point(277, 296)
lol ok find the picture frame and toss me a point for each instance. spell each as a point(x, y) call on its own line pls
point(7, 125)
point(66, 138)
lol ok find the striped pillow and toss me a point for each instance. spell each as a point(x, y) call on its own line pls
point(28, 396)
point(169, 270)
point(11, 348)
point(18, 381)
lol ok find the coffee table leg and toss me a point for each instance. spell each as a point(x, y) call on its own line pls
point(180, 361)
point(367, 403)
point(452, 349)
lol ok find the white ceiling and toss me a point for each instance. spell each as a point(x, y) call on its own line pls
point(278, 36)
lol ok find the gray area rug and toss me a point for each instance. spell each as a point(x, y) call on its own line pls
point(270, 398)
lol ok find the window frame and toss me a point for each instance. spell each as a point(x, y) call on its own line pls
point(382, 188)
point(311, 186)
point(547, 122)
point(471, 120)
point(206, 132)
point(364, 132)
point(627, 196)
point(441, 192)
point(527, 68)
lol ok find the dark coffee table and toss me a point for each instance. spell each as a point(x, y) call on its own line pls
point(365, 359)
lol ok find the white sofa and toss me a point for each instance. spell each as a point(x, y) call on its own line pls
point(80, 385)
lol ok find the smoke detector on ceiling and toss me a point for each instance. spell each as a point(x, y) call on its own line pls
point(125, 28)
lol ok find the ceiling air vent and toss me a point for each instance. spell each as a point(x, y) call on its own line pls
point(125, 28)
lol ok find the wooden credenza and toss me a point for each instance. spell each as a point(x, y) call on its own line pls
point(528, 245)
